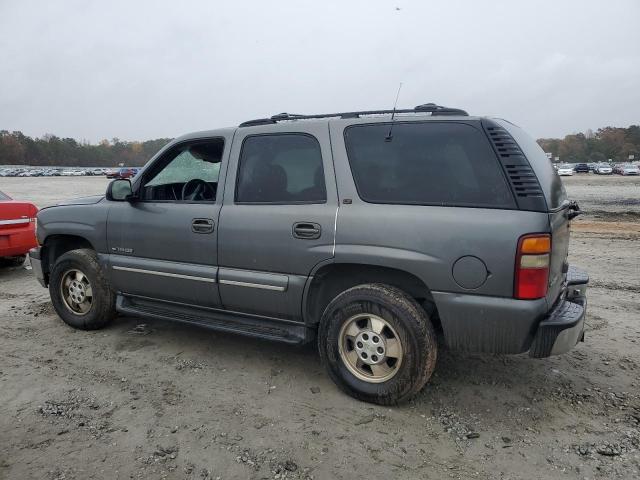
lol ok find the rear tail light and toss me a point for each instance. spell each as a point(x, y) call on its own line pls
point(532, 266)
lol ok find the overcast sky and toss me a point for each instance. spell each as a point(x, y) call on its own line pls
point(141, 70)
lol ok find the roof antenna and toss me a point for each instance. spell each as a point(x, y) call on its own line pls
point(389, 137)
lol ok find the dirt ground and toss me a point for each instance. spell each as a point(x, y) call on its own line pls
point(161, 400)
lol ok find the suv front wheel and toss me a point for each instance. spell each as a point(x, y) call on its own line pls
point(377, 343)
point(80, 293)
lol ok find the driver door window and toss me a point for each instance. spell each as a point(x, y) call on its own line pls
point(188, 174)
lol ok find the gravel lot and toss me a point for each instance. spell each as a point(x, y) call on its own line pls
point(164, 400)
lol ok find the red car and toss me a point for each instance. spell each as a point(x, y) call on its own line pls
point(125, 172)
point(17, 229)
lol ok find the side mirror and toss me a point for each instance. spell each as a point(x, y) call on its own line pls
point(119, 190)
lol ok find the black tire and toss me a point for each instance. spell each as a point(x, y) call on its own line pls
point(16, 261)
point(103, 304)
point(410, 322)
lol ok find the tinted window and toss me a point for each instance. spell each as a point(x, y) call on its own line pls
point(281, 169)
point(426, 164)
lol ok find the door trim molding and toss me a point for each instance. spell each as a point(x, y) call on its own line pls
point(164, 274)
point(252, 285)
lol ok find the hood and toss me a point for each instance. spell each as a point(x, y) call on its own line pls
point(81, 200)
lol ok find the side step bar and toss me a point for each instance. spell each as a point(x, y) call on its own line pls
point(249, 325)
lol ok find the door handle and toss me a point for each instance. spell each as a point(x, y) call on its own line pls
point(306, 230)
point(202, 225)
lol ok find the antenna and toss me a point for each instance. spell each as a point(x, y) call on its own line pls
point(389, 137)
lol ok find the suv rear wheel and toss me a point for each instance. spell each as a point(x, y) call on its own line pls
point(377, 344)
point(80, 293)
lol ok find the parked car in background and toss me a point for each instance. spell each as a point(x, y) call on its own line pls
point(565, 169)
point(17, 230)
point(603, 169)
point(127, 172)
point(124, 172)
point(581, 168)
point(629, 169)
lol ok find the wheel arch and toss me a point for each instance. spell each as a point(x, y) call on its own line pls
point(330, 279)
point(56, 245)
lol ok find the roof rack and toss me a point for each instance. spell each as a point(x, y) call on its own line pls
point(431, 108)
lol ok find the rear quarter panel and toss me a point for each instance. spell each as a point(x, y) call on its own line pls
point(427, 240)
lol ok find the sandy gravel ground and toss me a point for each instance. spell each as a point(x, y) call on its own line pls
point(161, 400)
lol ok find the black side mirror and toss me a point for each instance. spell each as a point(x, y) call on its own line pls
point(120, 190)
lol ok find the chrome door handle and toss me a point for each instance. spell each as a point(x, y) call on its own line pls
point(202, 225)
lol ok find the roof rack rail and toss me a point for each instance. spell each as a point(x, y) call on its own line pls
point(431, 108)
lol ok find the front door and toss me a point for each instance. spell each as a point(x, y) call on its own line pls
point(278, 218)
point(163, 244)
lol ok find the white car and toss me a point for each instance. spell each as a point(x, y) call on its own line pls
point(565, 170)
point(630, 169)
point(603, 169)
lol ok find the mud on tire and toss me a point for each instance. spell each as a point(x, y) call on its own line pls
point(403, 316)
point(102, 306)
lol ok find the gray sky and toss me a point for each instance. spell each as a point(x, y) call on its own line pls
point(141, 70)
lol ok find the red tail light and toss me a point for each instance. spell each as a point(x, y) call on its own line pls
point(532, 266)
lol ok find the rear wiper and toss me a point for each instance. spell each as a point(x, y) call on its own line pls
point(574, 210)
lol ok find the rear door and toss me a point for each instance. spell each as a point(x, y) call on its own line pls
point(278, 217)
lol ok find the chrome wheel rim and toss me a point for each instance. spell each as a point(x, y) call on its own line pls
point(370, 348)
point(76, 292)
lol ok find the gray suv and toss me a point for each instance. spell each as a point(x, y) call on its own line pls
point(369, 232)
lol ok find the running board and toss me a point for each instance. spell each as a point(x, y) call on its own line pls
point(249, 325)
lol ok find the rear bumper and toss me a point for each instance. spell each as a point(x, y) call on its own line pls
point(563, 327)
point(36, 266)
point(17, 241)
point(483, 324)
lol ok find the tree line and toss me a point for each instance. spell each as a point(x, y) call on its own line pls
point(609, 143)
point(51, 151)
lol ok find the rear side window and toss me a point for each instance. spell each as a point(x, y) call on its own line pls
point(284, 168)
point(426, 163)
